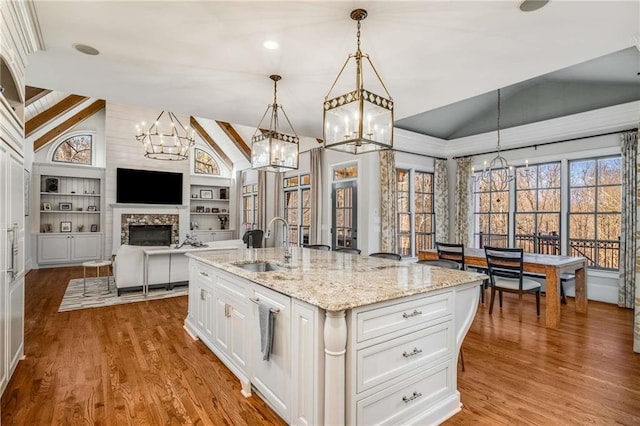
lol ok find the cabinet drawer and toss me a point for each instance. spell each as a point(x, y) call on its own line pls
point(399, 403)
point(234, 287)
point(204, 273)
point(379, 363)
point(401, 316)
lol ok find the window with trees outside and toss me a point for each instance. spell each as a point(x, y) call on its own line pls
point(76, 149)
point(537, 212)
point(204, 163)
point(415, 212)
point(595, 197)
point(297, 207)
point(491, 211)
point(249, 205)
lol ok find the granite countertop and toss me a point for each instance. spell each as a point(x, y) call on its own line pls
point(336, 281)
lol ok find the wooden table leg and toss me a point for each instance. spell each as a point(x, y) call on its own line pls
point(553, 297)
point(581, 290)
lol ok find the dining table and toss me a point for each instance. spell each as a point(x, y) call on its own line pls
point(551, 266)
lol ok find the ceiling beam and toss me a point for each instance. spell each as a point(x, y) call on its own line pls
point(235, 138)
point(52, 113)
point(208, 139)
point(32, 94)
point(68, 123)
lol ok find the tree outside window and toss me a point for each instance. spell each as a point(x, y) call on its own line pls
point(491, 211)
point(204, 163)
point(76, 149)
point(415, 211)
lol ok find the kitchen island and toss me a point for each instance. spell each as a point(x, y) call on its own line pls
point(357, 340)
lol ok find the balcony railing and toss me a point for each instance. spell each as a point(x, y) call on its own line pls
point(603, 254)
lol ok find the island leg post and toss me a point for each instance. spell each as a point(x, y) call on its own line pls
point(335, 342)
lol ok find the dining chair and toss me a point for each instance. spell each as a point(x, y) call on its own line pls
point(348, 250)
point(453, 252)
point(449, 264)
point(505, 268)
point(318, 247)
point(384, 255)
point(442, 263)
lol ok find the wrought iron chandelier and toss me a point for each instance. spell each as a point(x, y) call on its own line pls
point(271, 149)
point(166, 138)
point(360, 120)
point(497, 174)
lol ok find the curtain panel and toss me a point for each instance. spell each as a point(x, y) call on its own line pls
point(388, 201)
point(441, 200)
point(628, 243)
point(239, 177)
point(463, 201)
point(262, 201)
point(316, 195)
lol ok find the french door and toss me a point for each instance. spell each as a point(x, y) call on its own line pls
point(344, 232)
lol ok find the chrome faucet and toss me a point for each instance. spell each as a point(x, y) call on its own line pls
point(287, 251)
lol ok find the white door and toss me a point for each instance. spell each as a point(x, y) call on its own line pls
point(54, 248)
point(273, 377)
point(4, 253)
point(85, 247)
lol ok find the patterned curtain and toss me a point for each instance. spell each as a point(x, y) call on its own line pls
point(441, 200)
point(316, 195)
point(278, 210)
point(628, 243)
point(463, 202)
point(262, 201)
point(388, 201)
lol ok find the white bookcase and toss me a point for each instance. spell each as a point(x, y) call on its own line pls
point(210, 207)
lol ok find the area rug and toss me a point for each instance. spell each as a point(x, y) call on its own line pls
point(97, 296)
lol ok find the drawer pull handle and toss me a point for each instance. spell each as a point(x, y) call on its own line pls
point(204, 274)
point(412, 397)
point(415, 351)
point(412, 314)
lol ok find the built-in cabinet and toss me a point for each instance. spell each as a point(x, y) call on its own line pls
point(210, 236)
point(17, 40)
point(209, 205)
point(223, 313)
point(70, 211)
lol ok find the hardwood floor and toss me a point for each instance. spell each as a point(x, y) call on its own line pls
point(134, 364)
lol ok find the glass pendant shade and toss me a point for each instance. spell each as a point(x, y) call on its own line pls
point(271, 149)
point(166, 138)
point(360, 120)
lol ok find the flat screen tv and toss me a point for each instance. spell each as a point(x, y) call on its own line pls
point(148, 187)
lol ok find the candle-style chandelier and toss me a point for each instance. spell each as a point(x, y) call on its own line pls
point(360, 120)
point(497, 173)
point(166, 138)
point(271, 149)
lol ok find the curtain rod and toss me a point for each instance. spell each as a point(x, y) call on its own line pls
point(535, 146)
point(398, 150)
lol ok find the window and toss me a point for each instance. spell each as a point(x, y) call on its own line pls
point(491, 211)
point(595, 196)
point(416, 219)
point(249, 205)
point(204, 163)
point(297, 207)
point(76, 149)
point(537, 215)
point(347, 172)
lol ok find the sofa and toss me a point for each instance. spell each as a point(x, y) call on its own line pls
point(164, 270)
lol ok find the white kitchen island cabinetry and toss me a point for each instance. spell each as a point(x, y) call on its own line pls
point(357, 340)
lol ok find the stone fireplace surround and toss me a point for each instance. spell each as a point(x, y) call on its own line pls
point(147, 214)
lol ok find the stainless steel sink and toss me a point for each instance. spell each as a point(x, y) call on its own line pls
point(260, 266)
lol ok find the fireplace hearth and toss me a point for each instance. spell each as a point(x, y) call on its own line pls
point(150, 235)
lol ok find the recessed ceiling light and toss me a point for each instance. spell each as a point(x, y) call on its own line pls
point(271, 45)
point(87, 50)
point(531, 5)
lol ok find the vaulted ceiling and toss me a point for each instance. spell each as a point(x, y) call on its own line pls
point(207, 58)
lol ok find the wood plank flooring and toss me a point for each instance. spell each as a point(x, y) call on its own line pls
point(134, 364)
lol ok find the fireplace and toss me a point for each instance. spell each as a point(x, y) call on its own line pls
point(150, 235)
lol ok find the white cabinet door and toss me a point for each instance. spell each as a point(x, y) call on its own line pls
point(273, 377)
point(54, 248)
point(86, 247)
point(222, 235)
point(238, 337)
point(4, 262)
point(222, 327)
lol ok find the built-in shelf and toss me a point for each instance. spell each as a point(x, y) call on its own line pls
point(71, 194)
point(70, 211)
point(223, 200)
point(217, 214)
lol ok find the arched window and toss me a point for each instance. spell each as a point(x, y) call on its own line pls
point(76, 149)
point(205, 164)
